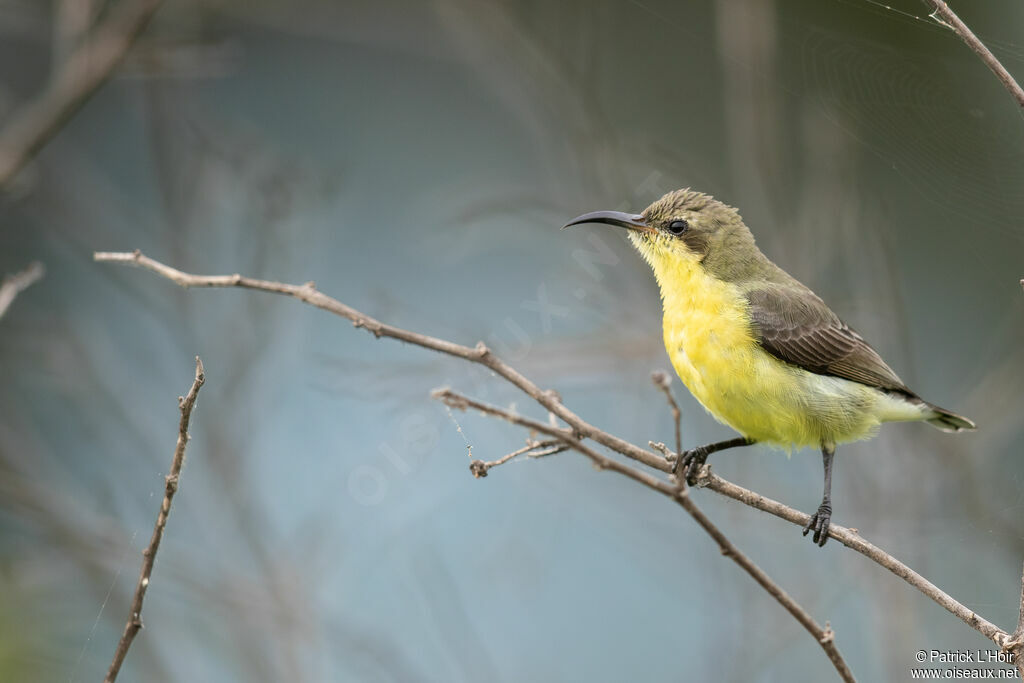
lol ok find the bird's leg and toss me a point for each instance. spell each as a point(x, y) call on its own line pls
point(689, 462)
point(821, 519)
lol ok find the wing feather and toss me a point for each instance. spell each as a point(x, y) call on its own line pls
point(795, 326)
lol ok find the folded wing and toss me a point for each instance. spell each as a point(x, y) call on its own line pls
point(796, 326)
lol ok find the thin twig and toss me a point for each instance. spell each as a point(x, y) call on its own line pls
point(535, 449)
point(579, 428)
point(134, 624)
point(824, 636)
point(15, 284)
point(88, 67)
point(967, 35)
point(664, 382)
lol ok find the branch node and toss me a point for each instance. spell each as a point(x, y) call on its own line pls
point(449, 398)
point(1010, 644)
point(828, 635)
point(481, 350)
point(664, 450)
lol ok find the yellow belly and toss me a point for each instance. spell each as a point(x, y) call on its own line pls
point(710, 341)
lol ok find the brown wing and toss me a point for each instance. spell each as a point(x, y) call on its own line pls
point(794, 325)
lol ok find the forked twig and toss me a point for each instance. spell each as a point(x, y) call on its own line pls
point(535, 449)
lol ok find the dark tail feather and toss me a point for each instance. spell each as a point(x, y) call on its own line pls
point(949, 422)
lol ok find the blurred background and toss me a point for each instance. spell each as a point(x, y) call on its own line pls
point(415, 159)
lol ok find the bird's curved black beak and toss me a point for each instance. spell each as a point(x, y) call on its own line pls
point(629, 221)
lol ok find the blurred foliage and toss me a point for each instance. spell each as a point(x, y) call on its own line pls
point(415, 160)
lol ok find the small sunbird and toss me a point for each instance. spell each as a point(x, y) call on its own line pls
point(759, 350)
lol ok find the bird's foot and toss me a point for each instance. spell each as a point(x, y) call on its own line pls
point(689, 463)
point(819, 524)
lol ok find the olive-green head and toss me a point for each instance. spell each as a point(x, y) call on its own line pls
point(691, 226)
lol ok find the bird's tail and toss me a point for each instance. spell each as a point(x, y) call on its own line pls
point(949, 422)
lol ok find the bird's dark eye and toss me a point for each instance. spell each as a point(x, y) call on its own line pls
point(678, 227)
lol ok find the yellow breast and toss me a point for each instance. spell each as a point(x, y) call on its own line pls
point(711, 343)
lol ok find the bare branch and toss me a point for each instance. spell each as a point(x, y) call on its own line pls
point(707, 479)
point(134, 624)
point(480, 354)
point(851, 539)
point(88, 67)
point(824, 636)
point(578, 428)
point(942, 10)
point(664, 382)
point(13, 285)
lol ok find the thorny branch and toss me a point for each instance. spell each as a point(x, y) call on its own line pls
point(134, 623)
point(943, 12)
point(15, 284)
point(86, 69)
point(578, 429)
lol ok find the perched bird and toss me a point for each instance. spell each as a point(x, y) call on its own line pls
point(760, 351)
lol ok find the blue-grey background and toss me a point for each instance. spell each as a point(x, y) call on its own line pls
point(415, 159)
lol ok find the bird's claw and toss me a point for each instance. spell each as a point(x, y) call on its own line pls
point(689, 463)
point(819, 523)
